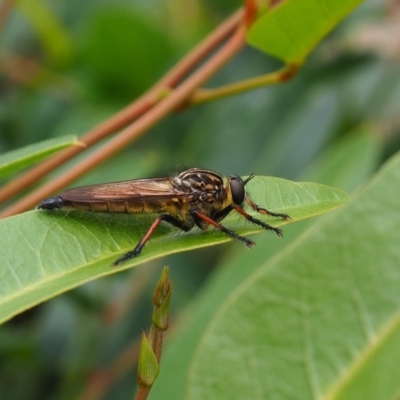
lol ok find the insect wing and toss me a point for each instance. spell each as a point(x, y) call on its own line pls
point(143, 189)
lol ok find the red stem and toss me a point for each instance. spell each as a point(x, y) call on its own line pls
point(135, 130)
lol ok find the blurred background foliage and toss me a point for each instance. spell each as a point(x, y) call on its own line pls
point(66, 66)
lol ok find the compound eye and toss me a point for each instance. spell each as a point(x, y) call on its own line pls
point(237, 189)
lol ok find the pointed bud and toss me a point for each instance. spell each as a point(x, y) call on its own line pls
point(148, 367)
point(161, 314)
point(164, 286)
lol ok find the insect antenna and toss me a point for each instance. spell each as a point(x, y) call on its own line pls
point(251, 176)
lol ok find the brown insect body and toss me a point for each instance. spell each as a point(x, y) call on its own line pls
point(194, 197)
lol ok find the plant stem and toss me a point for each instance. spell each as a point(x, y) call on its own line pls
point(205, 95)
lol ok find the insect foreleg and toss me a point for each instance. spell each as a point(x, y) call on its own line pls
point(163, 217)
point(223, 213)
point(257, 221)
point(200, 219)
point(261, 210)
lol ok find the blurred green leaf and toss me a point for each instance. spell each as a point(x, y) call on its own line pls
point(348, 163)
point(53, 37)
point(291, 30)
point(324, 312)
point(15, 160)
point(307, 127)
point(47, 253)
point(124, 61)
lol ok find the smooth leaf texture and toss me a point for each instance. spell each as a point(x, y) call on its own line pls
point(45, 253)
point(291, 30)
point(349, 162)
point(15, 160)
point(318, 321)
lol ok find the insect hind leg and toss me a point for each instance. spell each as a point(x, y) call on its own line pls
point(163, 217)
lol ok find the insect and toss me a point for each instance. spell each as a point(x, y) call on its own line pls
point(194, 197)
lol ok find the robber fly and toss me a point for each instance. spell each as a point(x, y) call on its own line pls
point(194, 197)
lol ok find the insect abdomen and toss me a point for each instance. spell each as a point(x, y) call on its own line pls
point(127, 206)
point(58, 202)
point(53, 202)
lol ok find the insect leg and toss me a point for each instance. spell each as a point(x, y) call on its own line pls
point(200, 219)
point(163, 217)
point(257, 221)
point(220, 215)
point(261, 210)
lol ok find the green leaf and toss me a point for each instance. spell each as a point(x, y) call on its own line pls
point(15, 160)
point(318, 320)
point(46, 253)
point(291, 30)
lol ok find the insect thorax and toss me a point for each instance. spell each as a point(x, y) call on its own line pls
point(205, 187)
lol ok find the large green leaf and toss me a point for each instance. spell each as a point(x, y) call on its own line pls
point(291, 30)
point(45, 253)
point(319, 320)
point(15, 160)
